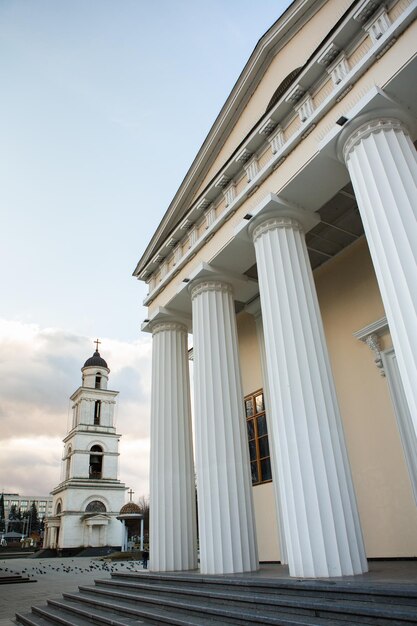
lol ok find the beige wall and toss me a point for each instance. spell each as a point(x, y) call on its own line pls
point(263, 495)
point(266, 522)
point(250, 359)
point(349, 300)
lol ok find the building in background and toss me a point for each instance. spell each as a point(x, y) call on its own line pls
point(43, 503)
point(289, 252)
point(88, 499)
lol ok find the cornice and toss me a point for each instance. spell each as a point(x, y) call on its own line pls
point(90, 392)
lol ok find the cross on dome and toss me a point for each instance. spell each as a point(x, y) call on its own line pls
point(97, 342)
point(130, 494)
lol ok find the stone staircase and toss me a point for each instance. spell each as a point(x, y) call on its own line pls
point(194, 600)
point(11, 579)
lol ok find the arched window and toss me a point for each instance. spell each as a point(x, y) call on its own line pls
point(98, 381)
point(97, 412)
point(96, 462)
point(68, 463)
point(58, 508)
point(283, 87)
point(95, 507)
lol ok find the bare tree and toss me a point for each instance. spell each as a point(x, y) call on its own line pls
point(143, 504)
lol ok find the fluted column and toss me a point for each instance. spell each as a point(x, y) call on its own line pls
point(321, 523)
point(225, 509)
point(382, 163)
point(172, 489)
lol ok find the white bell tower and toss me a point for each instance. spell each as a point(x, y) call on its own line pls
point(89, 496)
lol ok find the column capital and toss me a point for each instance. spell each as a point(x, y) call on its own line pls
point(168, 325)
point(282, 216)
point(209, 284)
point(375, 125)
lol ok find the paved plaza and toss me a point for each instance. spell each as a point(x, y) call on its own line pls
point(53, 577)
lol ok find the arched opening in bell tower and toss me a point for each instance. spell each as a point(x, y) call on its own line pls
point(68, 463)
point(96, 462)
point(97, 412)
point(98, 381)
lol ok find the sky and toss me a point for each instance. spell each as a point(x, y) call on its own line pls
point(101, 101)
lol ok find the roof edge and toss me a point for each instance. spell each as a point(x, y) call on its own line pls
point(252, 73)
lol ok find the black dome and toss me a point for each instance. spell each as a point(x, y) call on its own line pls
point(96, 361)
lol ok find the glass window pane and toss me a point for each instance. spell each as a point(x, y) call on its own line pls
point(262, 429)
point(254, 470)
point(252, 450)
point(259, 403)
point(263, 447)
point(251, 429)
point(249, 407)
point(266, 469)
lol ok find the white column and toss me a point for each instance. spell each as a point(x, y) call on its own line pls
point(275, 471)
point(142, 522)
point(124, 536)
point(173, 535)
point(321, 523)
point(45, 543)
point(382, 164)
point(225, 508)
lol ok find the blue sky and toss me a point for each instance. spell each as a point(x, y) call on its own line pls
point(101, 101)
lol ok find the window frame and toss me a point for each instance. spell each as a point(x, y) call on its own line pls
point(257, 437)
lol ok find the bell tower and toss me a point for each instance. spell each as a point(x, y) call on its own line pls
point(89, 497)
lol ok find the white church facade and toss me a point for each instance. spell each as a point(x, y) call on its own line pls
point(89, 497)
point(289, 252)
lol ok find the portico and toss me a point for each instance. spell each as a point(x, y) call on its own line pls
point(335, 171)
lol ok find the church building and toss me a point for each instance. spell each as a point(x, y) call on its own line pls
point(89, 497)
point(289, 253)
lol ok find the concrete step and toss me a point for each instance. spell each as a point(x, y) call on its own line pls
point(31, 619)
point(196, 612)
point(114, 613)
point(70, 614)
point(8, 579)
point(259, 594)
point(193, 600)
point(375, 592)
point(262, 602)
point(233, 606)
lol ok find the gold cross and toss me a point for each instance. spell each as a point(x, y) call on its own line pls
point(130, 494)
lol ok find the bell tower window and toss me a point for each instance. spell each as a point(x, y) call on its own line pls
point(98, 381)
point(68, 464)
point(96, 462)
point(97, 412)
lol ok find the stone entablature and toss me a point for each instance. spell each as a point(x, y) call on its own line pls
point(327, 78)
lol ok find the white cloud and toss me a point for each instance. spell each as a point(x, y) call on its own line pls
point(39, 370)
